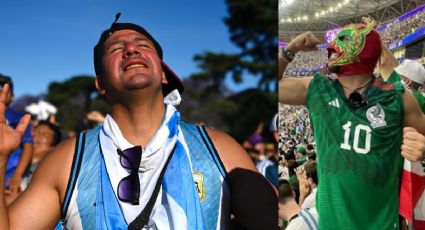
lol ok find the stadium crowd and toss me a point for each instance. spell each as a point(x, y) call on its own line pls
point(307, 63)
point(399, 29)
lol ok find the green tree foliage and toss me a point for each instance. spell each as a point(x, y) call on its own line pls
point(253, 28)
point(215, 67)
point(75, 97)
point(237, 114)
point(253, 25)
point(253, 107)
point(60, 92)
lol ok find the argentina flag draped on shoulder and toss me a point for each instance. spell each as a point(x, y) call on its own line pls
point(177, 205)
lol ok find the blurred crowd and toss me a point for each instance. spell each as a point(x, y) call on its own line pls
point(398, 30)
point(297, 167)
point(43, 134)
point(307, 63)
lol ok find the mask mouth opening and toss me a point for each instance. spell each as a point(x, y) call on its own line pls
point(330, 52)
point(333, 68)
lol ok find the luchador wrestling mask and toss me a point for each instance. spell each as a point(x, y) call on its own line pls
point(355, 50)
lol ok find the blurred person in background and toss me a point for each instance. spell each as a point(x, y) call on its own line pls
point(308, 184)
point(95, 116)
point(409, 72)
point(301, 155)
point(20, 159)
point(45, 137)
point(41, 111)
point(268, 166)
point(297, 218)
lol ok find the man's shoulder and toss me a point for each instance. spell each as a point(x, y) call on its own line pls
point(393, 78)
point(231, 152)
point(296, 224)
point(56, 166)
point(320, 80)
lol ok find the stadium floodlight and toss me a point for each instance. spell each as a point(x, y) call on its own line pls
point(346, 1)
point(331, 9)
point(305, 18)
point(339, 5)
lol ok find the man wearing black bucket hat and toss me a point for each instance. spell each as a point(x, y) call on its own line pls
point(143, 168)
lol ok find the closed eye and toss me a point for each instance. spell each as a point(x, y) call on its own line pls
point(115, 47)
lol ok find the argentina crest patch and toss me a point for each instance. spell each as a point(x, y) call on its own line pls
point(199, 183)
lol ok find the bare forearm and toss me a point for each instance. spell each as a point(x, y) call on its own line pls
point(24, 161)
point(293, 91)
point(388, 63)
point(413, 116)
point(302, 198)
point(4, 217)
point(282, 66)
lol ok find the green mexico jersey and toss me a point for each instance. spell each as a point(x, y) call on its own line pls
point(420, 97)
point(358, 155)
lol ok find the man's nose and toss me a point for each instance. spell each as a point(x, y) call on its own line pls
point(130, 49)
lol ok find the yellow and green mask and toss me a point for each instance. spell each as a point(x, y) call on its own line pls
point(358, 49)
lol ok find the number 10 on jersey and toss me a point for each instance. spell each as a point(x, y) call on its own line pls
point(357, 131)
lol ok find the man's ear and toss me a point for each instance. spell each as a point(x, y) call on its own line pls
point(99, 85)
point(164, 78)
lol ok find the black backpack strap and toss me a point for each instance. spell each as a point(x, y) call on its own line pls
point(143, 218)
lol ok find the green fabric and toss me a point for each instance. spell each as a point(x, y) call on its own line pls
point(301, 160)
point(358, 165)
point(293, 132)
point(394, 77)
point(302, 150)
point(293, 179)
point(420, 97)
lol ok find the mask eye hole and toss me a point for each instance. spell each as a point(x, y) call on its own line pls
point(343, 38)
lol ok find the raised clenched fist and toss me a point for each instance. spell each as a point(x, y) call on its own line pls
point(303, 42)
point(413, 148)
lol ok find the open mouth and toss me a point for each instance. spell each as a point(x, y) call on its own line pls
point(134, 66)
point(332, 54)
point(333, 57)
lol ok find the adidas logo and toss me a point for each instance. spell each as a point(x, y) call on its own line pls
point(334, 103)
